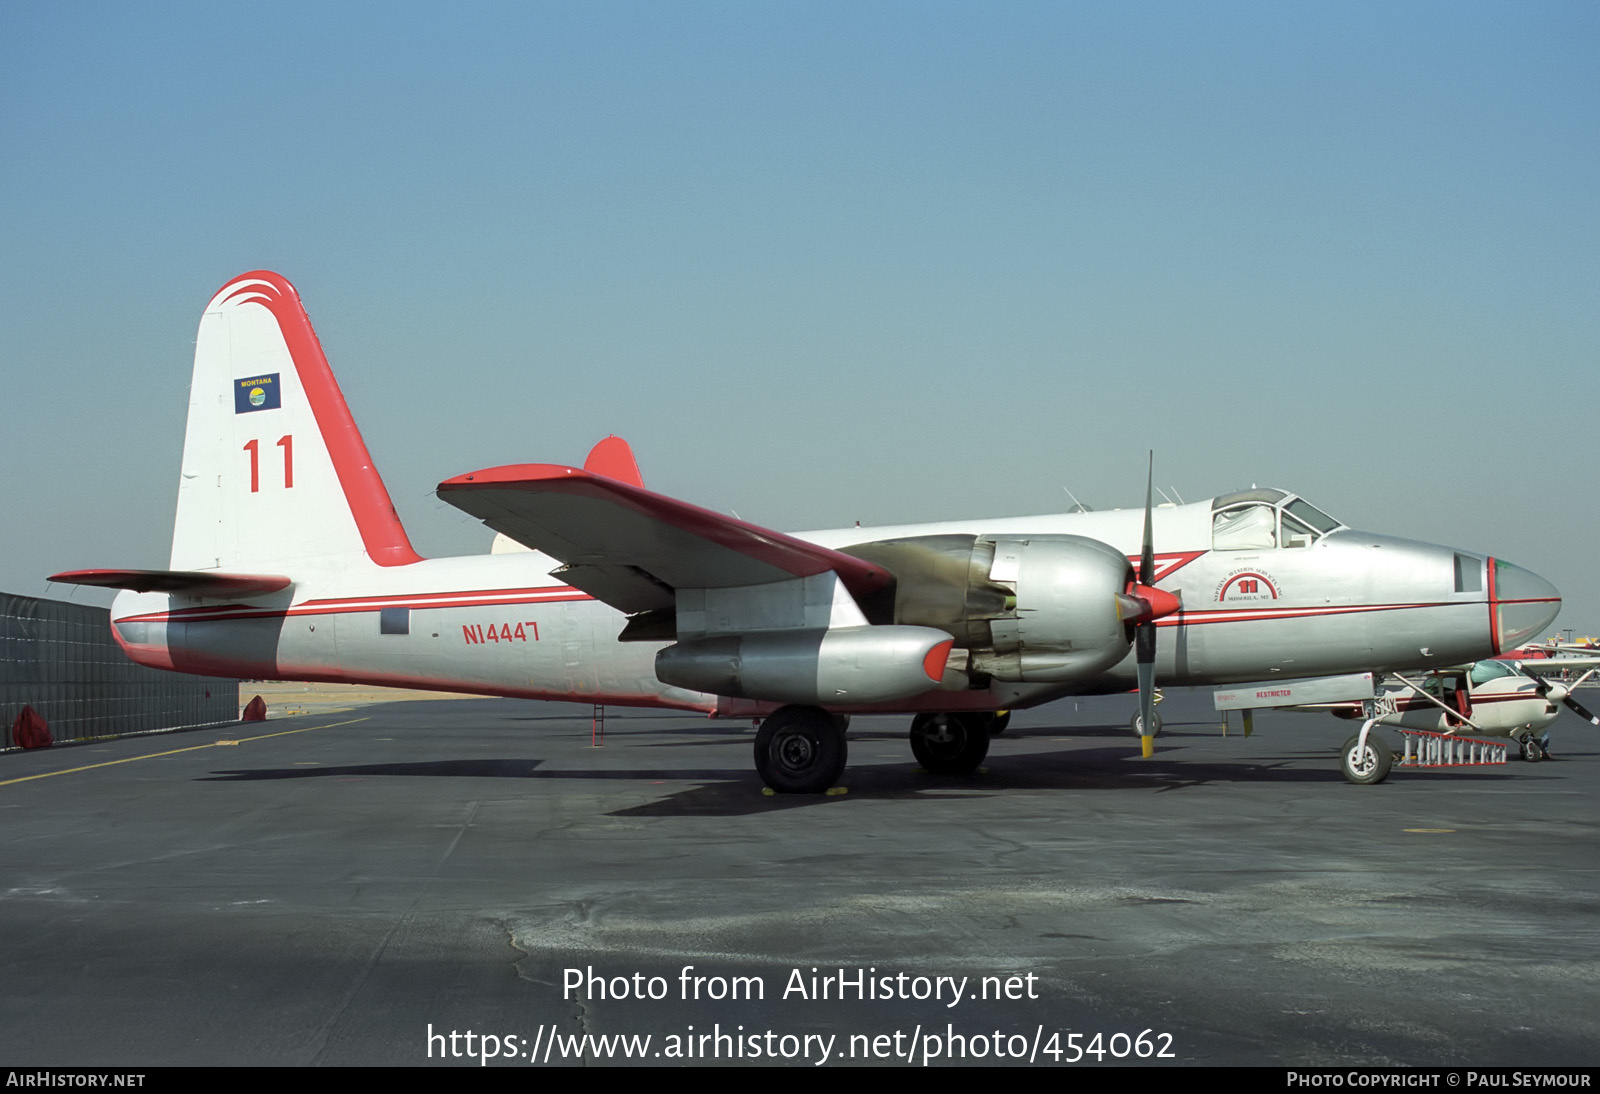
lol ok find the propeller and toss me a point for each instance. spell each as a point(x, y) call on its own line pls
point(1546, 687)
point(1150, 605)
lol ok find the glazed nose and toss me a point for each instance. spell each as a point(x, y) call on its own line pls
point(1521, 604)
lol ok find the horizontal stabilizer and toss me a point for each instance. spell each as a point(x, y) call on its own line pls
point(177, 582)
point(633, 542)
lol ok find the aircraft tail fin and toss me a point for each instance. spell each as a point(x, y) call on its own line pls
point(275, 473)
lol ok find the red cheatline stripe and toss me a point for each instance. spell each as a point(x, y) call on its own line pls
point(211, 615)
point(413, 598)
point(1249, 615)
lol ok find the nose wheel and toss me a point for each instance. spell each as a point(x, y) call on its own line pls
point(1365, 759)
point(1136, 723)
point(1535, 750)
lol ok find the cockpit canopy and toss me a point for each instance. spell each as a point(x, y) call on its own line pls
point(1264, 519)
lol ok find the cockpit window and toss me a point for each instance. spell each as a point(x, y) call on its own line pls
point(1267, 494)
point(1484, 671)
point(1310, 514)
point(1244, 527)
point(1263, 518)
point(1296, 534)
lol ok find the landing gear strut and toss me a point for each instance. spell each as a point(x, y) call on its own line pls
point(800, 750)
point(950, 744)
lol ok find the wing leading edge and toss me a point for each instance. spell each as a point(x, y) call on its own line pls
point(633, 548)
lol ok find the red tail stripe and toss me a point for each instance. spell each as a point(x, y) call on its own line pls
point(381, 532)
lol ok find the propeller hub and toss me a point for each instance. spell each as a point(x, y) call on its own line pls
point(1148, 603)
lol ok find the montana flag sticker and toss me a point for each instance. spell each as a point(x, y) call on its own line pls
point(256, 393)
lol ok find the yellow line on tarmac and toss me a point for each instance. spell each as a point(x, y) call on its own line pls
point(175, 751)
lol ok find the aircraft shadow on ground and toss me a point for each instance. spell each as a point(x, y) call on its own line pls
point(737, 791)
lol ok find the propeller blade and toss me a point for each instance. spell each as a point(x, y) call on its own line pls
point(1147, 553)
point(1145, 654)
point(1144, 635)
point(1580, 711)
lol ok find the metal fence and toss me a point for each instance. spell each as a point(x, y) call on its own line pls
point(61, 660)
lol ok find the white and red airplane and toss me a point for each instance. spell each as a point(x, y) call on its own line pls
point(1498, 697)
point(289, 562)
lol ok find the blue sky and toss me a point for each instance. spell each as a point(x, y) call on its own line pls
point(826, 262)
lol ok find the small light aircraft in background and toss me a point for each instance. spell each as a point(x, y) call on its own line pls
point(288, 562)
point(1496, 697)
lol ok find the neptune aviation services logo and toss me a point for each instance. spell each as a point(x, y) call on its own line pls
point(1246, 585)
point(257, 393)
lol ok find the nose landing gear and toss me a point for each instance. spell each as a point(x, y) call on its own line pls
point(1365, 759)
point(1534, 750)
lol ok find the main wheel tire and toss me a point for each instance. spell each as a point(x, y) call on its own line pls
point(1155, 721)
point(800, 750)
point(1367, 766)
point(1002, 718)
point(949, 744)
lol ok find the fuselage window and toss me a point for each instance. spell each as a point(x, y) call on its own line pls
point(1469, 574)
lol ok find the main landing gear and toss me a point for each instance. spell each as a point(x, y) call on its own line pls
point(801, 750)
point(951, 744)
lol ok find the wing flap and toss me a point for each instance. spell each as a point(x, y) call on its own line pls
point(604, 528)
point(626, 588)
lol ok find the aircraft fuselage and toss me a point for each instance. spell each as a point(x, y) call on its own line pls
point(500, 624)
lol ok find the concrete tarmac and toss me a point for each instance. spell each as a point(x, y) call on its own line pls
point(331, 888)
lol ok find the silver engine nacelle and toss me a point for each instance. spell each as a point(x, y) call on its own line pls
point(816, 667)
point(1044, 609)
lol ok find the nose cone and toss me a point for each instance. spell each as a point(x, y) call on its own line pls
point(1521, 604)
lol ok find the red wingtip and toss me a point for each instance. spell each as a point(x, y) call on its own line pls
point(613, 458)
point(513, 473)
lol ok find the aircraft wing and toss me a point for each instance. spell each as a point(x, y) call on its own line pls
point(1543, 665)
point(633, 548)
